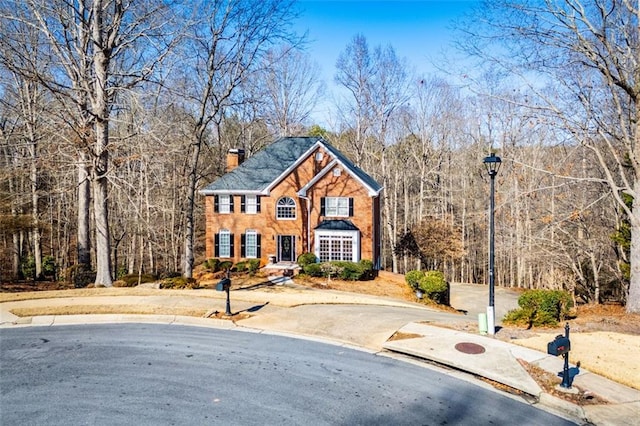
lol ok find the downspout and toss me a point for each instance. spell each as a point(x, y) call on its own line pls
point(308, 203)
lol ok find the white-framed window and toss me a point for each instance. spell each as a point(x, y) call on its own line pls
point(337, 171)
point(225, 203)
point(251, 244)
point(286, 208)
point(337, 245)
point(224, 243)
point(251, 204)
point(337, 206)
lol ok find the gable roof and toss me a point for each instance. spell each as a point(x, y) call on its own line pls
point(262, 171)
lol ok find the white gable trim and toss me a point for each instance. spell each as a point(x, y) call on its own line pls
point(303, 191)
point(371, 192)
point(327, 169)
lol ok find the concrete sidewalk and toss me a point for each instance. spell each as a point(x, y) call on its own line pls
point(366, 322)
point(499, 361)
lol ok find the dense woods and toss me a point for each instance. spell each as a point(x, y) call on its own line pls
point(114, 113)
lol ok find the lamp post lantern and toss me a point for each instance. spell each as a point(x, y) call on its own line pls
point(492, 163)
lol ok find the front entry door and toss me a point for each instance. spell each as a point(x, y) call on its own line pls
point(286, 248)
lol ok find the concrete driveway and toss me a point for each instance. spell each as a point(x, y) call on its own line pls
point(371, 325)
point(474, 299)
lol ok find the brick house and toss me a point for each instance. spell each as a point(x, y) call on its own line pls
point(297, 195)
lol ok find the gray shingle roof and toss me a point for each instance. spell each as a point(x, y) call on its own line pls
point(262, 169)
point(337, 225)
point(364, 177)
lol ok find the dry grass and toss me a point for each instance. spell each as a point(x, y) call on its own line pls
point(109, 309)
point(378, 287)
point(81, 292)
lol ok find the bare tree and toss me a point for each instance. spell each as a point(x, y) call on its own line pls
point(223, 45)
point(291, 86)
point(376, 84)
point(588, 50)
point(98, 49)
point(354, 71)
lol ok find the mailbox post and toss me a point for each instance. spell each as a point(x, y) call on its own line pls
point(561, 345)
point(225, 285)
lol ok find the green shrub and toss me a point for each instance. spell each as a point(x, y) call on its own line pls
point(212, 264)
point(313, 270)
point(435, 287)
point(28, 268)
point(121, 271)
point(349, 271)
point(80, 275)
point(330, 269)
point(306, 259)
point(367, 269)
point(240, 266)
point(413, 278)
point(131, 280)
point(518, 316)
point(49, 266)
point(541, 308)
point(344, 270)
point(179, 283)
point(170, 274)
point(224, 265)
point(253, 265)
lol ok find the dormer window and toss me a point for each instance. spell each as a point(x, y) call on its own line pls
point(286, 208)
point(337, 171)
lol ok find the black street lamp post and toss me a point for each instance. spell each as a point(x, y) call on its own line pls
point(492, 163)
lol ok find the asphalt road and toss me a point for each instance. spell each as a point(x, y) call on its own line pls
point(148, 374)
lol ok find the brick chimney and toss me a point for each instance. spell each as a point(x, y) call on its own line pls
point(235, 157)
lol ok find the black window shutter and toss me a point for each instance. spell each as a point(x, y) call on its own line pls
point(230, 203)
point(258, 205)
point(350, 207)
point(216, 249)
point(243, 249)
point(258, 246)
point(243, 200)
point(216, 205)
point(231, 250)
point(323, 209)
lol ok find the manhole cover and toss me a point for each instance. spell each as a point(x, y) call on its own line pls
point(470, 348)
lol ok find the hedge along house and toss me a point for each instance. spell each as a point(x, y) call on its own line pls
point(294, 196)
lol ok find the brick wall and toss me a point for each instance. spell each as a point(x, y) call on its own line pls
point(269, 227)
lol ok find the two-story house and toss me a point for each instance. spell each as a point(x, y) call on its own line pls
point(297, 195)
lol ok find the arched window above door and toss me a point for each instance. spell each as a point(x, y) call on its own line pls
point(286, 208)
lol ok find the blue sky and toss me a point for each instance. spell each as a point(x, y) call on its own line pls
point(418, 29)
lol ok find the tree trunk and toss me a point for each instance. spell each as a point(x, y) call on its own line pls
point(190, 222)
point(103, 243)
point(101, 160)
point(84, 196)
point(37, 245)
point(633, 297)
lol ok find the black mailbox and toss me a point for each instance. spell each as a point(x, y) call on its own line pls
point(224, 284)
point(560, 346)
